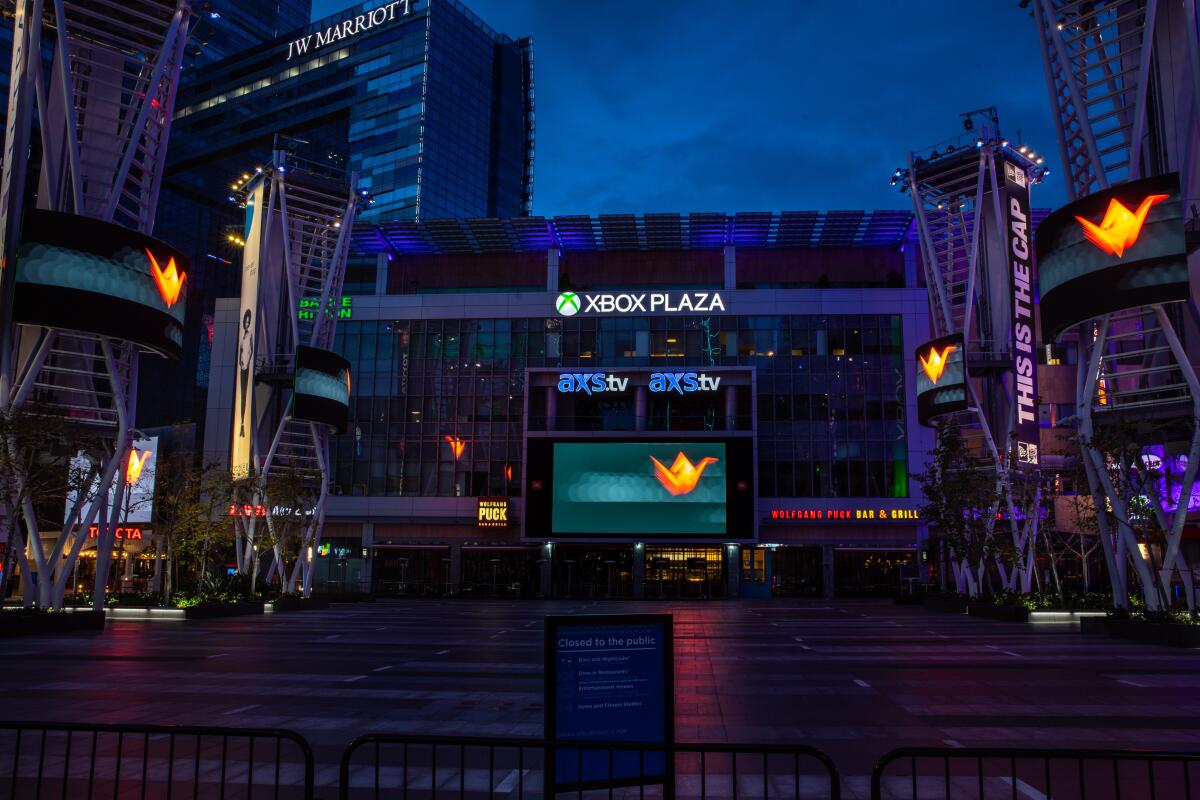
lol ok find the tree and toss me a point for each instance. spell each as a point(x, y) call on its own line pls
point(40, 470)
point(292, 523)
point(961, 500)
point(189, 516)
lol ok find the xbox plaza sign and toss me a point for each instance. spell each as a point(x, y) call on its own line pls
point(568, 304)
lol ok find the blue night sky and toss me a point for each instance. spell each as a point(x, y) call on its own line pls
point(772, 105)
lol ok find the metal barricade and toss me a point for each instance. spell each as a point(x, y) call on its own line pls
point(917, 773)
point(187, 762)
point(431, 767)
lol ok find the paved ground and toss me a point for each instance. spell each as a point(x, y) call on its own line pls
point(854, 678)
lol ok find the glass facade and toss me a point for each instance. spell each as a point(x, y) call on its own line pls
point(437, 406)
point(432, 109)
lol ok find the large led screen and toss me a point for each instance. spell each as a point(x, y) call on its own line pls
point(1116, 249)
point(322, 388)
point(941, 378)
point(83, 274)
point(639, 488)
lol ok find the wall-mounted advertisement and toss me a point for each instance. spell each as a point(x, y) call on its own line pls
point(79, 273)
point(941, 378)
point(321, 392)
point(1120, 248)
point(137, 503)
point(1024, 288)
point(247, 334)
point(626, 488)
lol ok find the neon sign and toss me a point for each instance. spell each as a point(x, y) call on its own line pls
point(861, 514)
point(1119, 228)
point(599, 382)
point(492, 512)
point(568, 304)
point(120, 534)
point(348, 28)
point(344, 309)
point(247, 510)
point(683, 475)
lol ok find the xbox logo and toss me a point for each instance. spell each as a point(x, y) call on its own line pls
point(567, 304)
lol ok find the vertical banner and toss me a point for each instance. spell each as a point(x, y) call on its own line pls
point(1014, 197)
point(247, 332)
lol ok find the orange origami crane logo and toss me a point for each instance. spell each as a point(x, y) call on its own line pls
point(169, 280)
point(133, 470)
point(683, 475)
point(457, 446)
point(1120, 227)
point(935, 364)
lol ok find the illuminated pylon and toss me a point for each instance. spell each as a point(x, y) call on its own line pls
point(297, 236)
point(104, 114)
point(1126, 104)
point(961, 192)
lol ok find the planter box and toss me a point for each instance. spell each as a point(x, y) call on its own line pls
point(19, 623)
point(1165, 633)
point(300, 604)
point(1002, 613)
point(949, 604)
point(214, 610)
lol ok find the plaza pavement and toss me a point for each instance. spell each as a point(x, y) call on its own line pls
point(855, 678)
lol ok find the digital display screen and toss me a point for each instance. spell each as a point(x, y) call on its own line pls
point(640, 488)
point(941, 378)
point(83, 274)
point(1115, 249)
point(322, 388)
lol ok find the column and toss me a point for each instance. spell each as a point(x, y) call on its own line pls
point(552, 270)
point(639, 570)
point(546, 571)
point(382, 263)
point(733, 570)
point(827, 570)
point(641, 403)
point(365, 581)
point(456, 557)
point(730, 267)
point(156, 581)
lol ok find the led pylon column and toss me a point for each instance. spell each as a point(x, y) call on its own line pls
point(973, 217)
point(1124, 81)
point(84, 288)
point(292, 390)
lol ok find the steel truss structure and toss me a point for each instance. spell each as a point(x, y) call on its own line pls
point(312, 213)
point(956, 195)
point(104, 119)
point(1124, 81)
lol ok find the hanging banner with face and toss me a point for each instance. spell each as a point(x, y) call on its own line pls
point(242, 449)
point(1014, 199)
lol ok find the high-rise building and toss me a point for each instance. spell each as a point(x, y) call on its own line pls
point(431, 107)
point(224, 27)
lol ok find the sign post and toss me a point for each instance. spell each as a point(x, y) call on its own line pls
point(609, 678)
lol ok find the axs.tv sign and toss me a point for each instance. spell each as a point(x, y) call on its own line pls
point(602, 382)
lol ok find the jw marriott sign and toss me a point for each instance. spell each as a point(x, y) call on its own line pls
point(349, 28)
